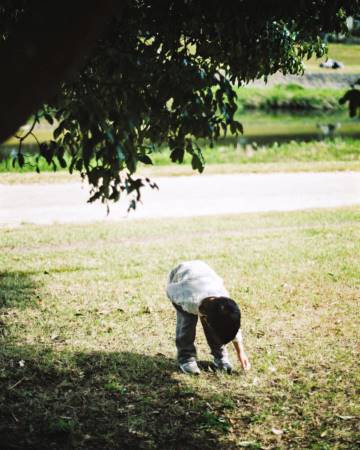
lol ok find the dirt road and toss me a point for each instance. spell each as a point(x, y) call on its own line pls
point(182, 196)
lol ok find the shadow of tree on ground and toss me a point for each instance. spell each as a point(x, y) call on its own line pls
point(101, 400)
point(52, 397)
point(17, 289)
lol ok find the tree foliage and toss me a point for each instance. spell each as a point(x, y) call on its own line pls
point(163, 73)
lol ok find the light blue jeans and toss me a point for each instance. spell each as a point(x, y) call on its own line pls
point(185, 337)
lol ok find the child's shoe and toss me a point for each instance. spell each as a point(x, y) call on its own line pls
point(223, 364)
point(190, 367)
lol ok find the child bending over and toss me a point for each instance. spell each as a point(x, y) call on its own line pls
point(196, 290)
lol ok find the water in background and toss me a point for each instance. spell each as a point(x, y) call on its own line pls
point(267, 128)
point(264, 128)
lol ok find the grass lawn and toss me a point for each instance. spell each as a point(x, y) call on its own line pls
point(87, 334)
point(349, 54)
point(289, 97)
point(337, 150)
point(314, 156)
point(186, 170)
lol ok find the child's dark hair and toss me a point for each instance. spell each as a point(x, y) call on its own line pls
point(223, 315)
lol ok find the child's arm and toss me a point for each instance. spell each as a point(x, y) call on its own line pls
point(239, 347)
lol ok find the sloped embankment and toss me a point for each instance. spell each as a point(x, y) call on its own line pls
point(321, 80)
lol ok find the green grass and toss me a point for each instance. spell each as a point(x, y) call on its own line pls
point(328, 155)
point(87, 334)
point(290, 97)
point(186, 170)
point(259, 125)
point(329, 150)
point(349, 54)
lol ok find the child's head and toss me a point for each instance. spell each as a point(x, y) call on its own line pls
point(223, 315)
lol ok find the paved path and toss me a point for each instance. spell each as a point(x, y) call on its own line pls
point(183, 196)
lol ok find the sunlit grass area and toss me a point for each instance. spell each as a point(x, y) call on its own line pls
point(226, 157)
point(349, 54)
point(290, 97)
point(87, 334)
point(258, 124)
point(43, 133)
point(186, 170)
point(329, 150)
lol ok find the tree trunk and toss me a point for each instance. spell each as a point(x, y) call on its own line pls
point(48, 45)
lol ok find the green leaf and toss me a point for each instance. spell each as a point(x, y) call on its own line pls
point(120, 152)
point(67, 138)
point(21, 160)
point(196, 163)
point(46, 151)
point(236, 127)
point(145, 159)
point(49, 118)
point(177, 155)
point(57, 132)
point(62, 162)
point(79, 164)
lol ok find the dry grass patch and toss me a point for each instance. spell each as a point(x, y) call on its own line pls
point(87, 354)
point(186, 170)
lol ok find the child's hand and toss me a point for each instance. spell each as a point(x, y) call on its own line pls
point(244, 360)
